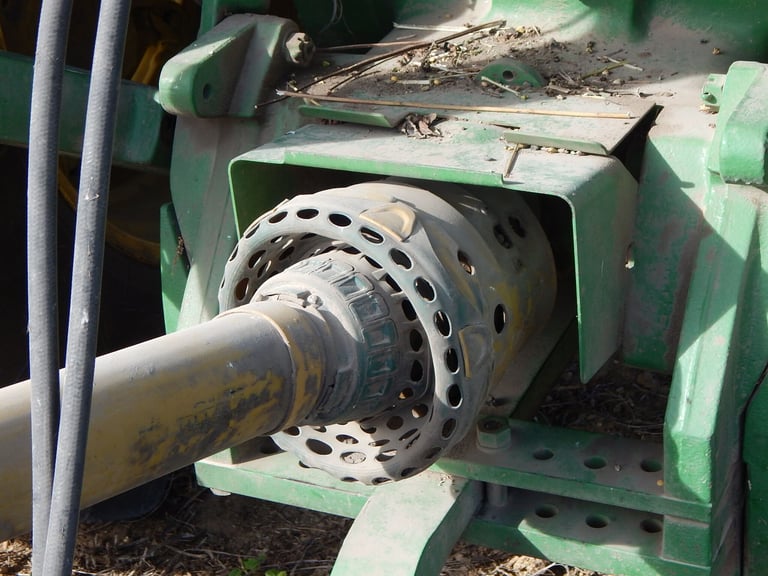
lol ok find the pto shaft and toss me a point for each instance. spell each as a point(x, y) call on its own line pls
point(163, 404)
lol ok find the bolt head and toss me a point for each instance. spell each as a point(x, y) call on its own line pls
point(493, 433)
point(299, 49)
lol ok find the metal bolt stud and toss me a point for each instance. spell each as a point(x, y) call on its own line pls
point(299, 49)
point(493, 433)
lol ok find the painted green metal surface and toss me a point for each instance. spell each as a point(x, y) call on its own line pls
point(510, 72)
point(756, 459)
point(174, 266)
point(204, 146)
point(280, 478)
point(597, 537)
point(693, 255)
point(583, 465)
point(443, 506)
point(142, 134)
point(598, 190)
point(206, 80)
point(739, 151)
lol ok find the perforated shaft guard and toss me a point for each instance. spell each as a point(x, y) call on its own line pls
point(425, 298)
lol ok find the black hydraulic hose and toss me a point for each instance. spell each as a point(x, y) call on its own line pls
point(86, 285)
point(41, 260)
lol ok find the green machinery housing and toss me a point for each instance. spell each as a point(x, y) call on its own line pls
point(382, 229)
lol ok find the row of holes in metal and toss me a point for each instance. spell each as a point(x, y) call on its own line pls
point(597, 462)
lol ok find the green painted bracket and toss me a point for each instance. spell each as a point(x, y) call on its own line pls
point(412, 526)
point(140, 133)
point(511, 72)
point(598, 190)
point(712, 91)
point(739, 151)
point(227, 70)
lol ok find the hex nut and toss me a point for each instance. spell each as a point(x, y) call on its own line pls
point(299, 49)
point(493, 433)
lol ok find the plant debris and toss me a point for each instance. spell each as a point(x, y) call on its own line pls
point(420, 126)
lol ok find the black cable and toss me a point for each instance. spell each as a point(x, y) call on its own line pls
point(41, 259)
point(86, 285)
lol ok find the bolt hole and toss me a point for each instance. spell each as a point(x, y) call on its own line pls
point(407, 472)
point(278, 217)
point(449, 426)
point(416, 339)
point(276, 240)
point(372, 262)
point(454, 395)
point(408, 310)
point(499, 318)
point(234, 253)
point(348, 479)
point(425, 289)
point(339, 220)
point(546, 511)
point(307, 213)
point(543, 454)
point(255, 257)
point(292, 431)
point(408, 434)
point(517, 226)
point(207, 91)
point(251, 231)
point(381, 480)
point(286, 253)
point(391, 283)
point(420, 410)
point(595, 462)
point(417, 371)
point(386, 455)
point(318, 447)
point(651, 526)
point(596, 521)
point(401, 259)
point(377, 443)
point(442, 323)
point(346, 439)
point(650, 465)
point(371, 235)
point(405, 393)
point(241, 289)
point(353, 457)
point(465, 263)
point(508, 75)
point(368, 429)
point(264, 267)
point(452, 360)
point(395, 423)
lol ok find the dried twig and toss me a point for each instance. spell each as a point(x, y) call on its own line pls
point(459, 107)
point(503, 87)
point(368, 62)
